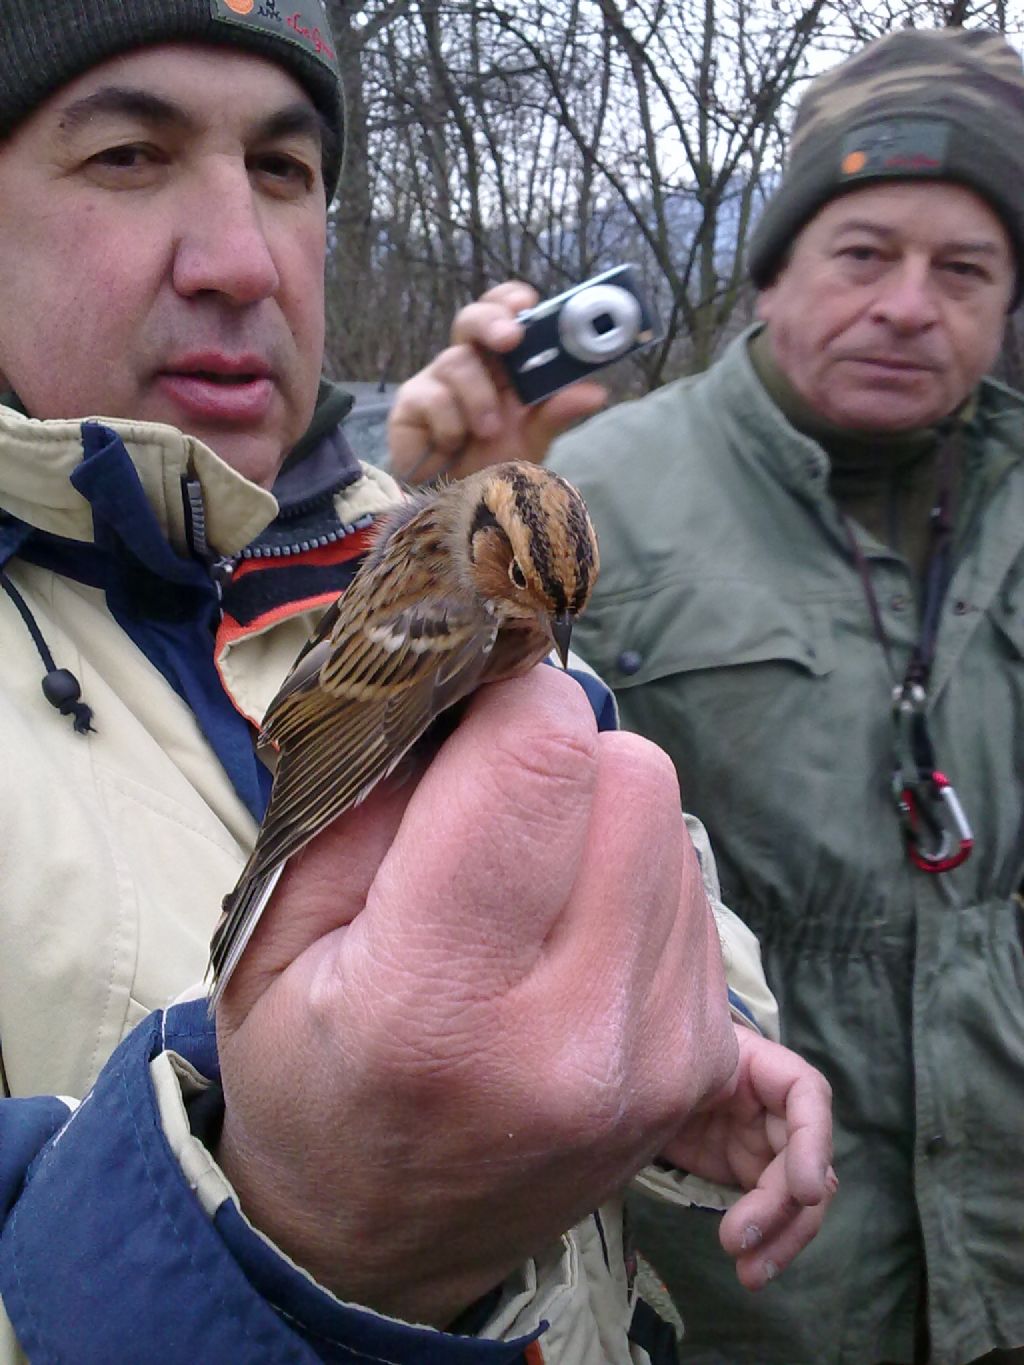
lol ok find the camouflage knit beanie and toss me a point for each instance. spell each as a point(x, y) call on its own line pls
point(46, 43)
point(921, 104)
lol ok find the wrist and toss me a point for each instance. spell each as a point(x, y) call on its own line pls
point(359, 1253)
point(265, 1193)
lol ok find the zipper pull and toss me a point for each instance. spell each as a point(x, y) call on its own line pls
point(222, 570)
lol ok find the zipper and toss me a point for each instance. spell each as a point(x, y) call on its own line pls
point(301, 546)
point(222, 567)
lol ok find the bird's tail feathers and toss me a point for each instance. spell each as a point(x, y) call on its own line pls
point(242, 911)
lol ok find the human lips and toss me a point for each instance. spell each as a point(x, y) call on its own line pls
point(215, 387)
point(896, 365)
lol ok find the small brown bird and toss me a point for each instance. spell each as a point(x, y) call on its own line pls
point(466, 584)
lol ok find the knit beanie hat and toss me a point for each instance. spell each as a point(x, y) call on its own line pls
point(920, 104)
point(46, 43)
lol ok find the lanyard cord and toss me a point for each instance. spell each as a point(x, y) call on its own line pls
point(939, 569)
point(925, 799)
point(937, 574)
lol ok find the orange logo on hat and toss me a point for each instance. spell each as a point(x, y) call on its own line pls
point(852, 162)
point(240, 6)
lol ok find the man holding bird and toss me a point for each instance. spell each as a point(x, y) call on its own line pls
point(476, 1005)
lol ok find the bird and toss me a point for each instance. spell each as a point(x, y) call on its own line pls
point(466, 583)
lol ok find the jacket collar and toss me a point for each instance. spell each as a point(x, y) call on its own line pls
point(38, 458)
point(756, 426)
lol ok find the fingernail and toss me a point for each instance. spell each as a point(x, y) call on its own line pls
point(770, 1271)
point(489, 424)
point(752, 1237)
point(831, 1181)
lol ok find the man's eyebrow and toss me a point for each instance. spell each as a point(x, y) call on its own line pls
point(295, 119)
point(300, 118)
point(974, 246)
point(864, 225)
point(124, 100)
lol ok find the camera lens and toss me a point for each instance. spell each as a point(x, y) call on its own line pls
point(600, 323)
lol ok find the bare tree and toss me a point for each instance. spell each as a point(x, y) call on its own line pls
point(519, 138)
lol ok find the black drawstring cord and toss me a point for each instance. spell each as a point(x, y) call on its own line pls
point(60, 686)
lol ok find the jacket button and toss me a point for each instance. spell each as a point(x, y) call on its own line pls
point(629, 662)
point(935, 1145)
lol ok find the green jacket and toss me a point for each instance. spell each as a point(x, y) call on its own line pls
point(732, 623)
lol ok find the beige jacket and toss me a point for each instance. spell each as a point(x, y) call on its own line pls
point(118, 846)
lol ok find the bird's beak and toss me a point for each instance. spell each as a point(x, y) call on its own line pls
point(561, 633)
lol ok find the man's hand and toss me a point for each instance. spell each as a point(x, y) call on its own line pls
point(474, 1009)
point(769, 1131)
point(461, 413)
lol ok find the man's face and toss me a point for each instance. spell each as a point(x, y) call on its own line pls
point(892, 304)
point(162, 239)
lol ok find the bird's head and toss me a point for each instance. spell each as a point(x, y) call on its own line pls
point(531, 548)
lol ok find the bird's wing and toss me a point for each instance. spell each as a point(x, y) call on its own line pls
point(239, 917)
point(346, 725)
point(354, 706)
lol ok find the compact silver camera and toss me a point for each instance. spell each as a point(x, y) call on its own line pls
point(572, 335)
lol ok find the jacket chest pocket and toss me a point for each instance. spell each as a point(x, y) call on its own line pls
point(686, 628)
point(736, 685)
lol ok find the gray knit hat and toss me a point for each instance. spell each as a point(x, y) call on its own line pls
point(932, 104)
point(46, 43)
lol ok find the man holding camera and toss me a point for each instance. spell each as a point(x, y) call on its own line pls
point(812, 596)
point(458, 1029)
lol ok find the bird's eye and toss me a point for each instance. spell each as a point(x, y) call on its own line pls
point(516, 574)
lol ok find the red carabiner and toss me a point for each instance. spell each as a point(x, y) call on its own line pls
point(956, 839)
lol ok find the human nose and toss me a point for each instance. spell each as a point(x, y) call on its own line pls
point(223, 246)
point(906, 299)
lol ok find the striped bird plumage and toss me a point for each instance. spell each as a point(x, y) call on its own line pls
point(465, 584)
